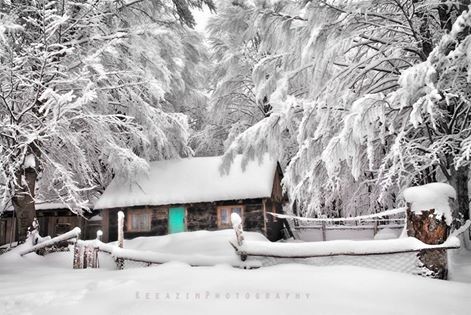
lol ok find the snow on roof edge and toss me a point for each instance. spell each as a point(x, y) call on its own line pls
point(191, 175)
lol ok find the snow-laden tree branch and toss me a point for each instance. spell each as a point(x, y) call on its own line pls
point(374, 116)
point(89, 90)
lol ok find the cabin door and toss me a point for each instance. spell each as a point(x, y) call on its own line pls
point(176, 220)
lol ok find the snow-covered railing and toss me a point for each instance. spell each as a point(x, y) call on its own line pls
point(102, 247)
point(74, 233)
point(369, 217)
point(339, 248)
point(151, 257)
point(356, 228)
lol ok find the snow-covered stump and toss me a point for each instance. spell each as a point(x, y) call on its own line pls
point(429, 219)
point(120, 261)
point(239, 232)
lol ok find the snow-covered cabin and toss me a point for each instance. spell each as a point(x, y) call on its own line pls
point(191, 194)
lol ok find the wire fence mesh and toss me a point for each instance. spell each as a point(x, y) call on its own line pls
point(426, 262)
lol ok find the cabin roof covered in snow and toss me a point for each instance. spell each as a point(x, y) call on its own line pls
point(191, 180)
point(40, 205)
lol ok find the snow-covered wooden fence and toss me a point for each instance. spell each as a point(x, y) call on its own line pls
point(86, 254)
point(427, 224)
point(402, 254)
point(424, 251)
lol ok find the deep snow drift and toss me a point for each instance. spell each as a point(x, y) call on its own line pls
point(48, 285)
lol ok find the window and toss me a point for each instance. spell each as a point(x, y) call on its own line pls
point(138, 221)
point(224, 215)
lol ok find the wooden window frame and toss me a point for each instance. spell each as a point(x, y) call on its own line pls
point(228, 225)
point(130, 213)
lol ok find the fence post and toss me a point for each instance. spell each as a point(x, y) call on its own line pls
point(237, 226)
point(120, 261)
point(96, 264)
point(78, 254)
point(99, 234)
point(90, 257)
point(430, 223)
point(324, 238)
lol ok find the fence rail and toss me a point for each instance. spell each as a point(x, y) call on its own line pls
point(363, 227)
point(74, 233)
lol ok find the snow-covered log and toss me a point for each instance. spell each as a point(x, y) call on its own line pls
point(74, 233)
point(150, 257)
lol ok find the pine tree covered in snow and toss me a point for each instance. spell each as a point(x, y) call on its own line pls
point(235, 41)
point(234, 107)
point(89, 89)
point(381, 107)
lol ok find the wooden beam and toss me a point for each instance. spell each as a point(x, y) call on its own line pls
point(75, 233)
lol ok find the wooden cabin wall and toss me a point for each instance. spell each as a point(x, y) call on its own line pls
point(254, 218)
point(274, 225)
point(159, 222)
point(274, 204)
point(277, 190)
point(7, 224)
point(48, 224)
point(199, 216)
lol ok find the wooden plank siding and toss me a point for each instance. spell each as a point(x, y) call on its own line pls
point(49, 224)
point(199, 216)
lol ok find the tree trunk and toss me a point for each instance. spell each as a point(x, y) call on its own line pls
point(23, 199)
point(427, 228)
point(459, 180)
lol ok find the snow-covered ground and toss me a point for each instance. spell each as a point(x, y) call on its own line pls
point(48, 285)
